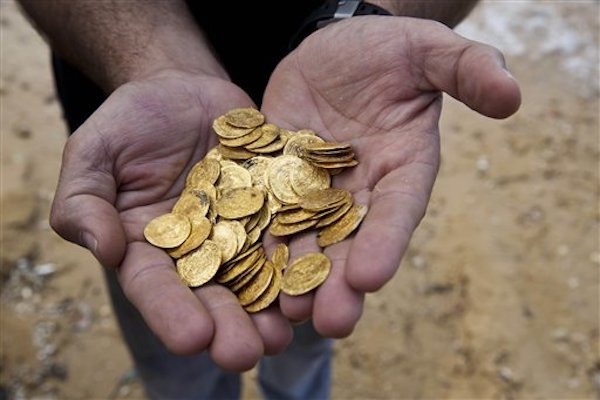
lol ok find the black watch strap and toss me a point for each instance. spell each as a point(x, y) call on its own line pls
point(333, 11)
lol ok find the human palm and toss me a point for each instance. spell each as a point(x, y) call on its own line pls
point(376, 83)
point(126, 165)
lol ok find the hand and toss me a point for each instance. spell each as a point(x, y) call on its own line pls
point(376, 82)
point(126, 165)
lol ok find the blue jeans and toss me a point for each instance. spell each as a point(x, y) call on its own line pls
point(301, 372)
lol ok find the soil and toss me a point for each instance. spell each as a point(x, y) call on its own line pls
point(497, 296)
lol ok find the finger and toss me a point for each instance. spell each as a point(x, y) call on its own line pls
point(274, 328)
point(337, 306)
point(82, 209)
point(396, 206)
point(236, 344)
point(169, 308)
point(471, 72)
point(299, 308)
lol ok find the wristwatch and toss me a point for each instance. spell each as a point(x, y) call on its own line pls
point(333, 11)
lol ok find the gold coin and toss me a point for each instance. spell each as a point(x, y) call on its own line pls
point(294, 216)
point(242, 140)
point(322, 199)
point(246, 117)
point(272, 202)
point(227, 131)
point(225, 237)
point(168, 230)
point(234, 176)
point(328, 147)
point(334, 165)
point(205, 170)
point(233, 269)
point(342, 228)
point(257, 166)
point(192, 202)
point(240, 234)
point(281, 256)
point(265, 217)
point(214, 154)
point(245, 253)
point(272, 147)
point(200, 231)
point(305, 274)
point(279, 229)
point(257, 286)
point(201, 265)
point(252, 221)
point(268, 134)
point(235, 153)
point(253, 236)
point(338, 213)
point(296, 145)
point(279, 178)
point(329, 158)
point(239, 202)
point(270, 294)
point(243, 278)
point(307, 177)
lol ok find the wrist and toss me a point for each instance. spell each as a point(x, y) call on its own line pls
point(167, 48)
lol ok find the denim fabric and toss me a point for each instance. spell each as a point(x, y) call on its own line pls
point(302, 372)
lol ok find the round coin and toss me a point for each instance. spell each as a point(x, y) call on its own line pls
point(168, 230)
point(305, 274)
point(240, 202)
point(247, 117)
point(201, 265)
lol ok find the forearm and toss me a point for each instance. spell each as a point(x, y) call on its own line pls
point(114, 42)
point(448, 12)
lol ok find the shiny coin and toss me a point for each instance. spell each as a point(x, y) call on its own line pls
point(239, 202)
point(279, 229)
point(296, 144)
point(247, 117)
point(234, 176)
point(201, 228)
point(271, 292)
point(206, 170)
point(168, 230)
point(305, 274)
point(235, 153)
point(242, 140)
point(322, 199)
point(342, 228)
point(192, 202)
point(279, 178)
point(227, 131)
point(307, 177)
point(257, 286)
point(201, 265)
point(281, 256)
point(225, 236)
point(268, 134)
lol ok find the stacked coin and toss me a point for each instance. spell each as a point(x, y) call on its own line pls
point(259, 177)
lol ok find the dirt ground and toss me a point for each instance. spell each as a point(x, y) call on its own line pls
point(497, 297)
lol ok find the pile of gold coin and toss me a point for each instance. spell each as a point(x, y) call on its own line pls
point(260, 177)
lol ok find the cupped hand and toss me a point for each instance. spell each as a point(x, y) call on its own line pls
point(126, 165)
point(377, 83)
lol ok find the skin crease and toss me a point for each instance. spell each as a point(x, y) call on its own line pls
point(380, 91)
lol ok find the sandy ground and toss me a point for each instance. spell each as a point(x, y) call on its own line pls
point(497, 296)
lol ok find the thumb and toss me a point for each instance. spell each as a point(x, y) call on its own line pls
point(469, 71)
point(82, 210)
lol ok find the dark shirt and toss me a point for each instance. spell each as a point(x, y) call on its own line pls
point(249, 38)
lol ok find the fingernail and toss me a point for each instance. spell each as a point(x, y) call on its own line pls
point(89, 242)
point(508, 73)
